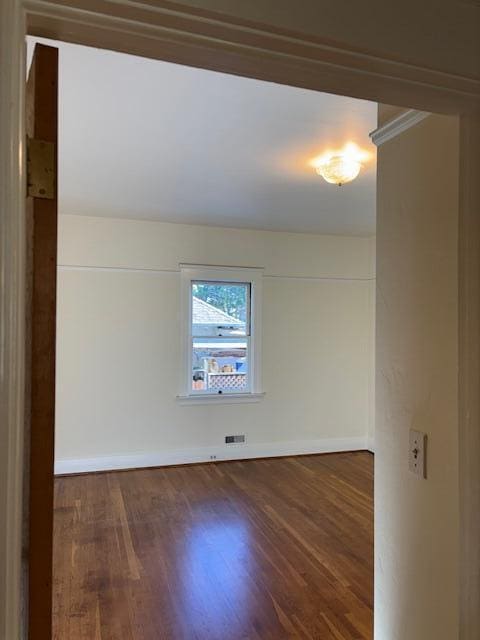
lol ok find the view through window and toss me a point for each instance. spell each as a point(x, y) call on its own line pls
point(220, 330)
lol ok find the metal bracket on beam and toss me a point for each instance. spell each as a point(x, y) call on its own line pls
point(40, 169)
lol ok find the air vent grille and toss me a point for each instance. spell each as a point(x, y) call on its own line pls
point(240, 439)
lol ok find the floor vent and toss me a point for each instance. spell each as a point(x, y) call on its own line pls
point(235, 439)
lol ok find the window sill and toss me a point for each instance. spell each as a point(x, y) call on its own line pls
point(221, 398)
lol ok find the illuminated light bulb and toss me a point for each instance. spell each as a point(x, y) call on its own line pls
point(340, 167)
point(339, 170)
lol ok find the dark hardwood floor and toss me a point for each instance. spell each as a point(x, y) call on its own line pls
point(255, 550)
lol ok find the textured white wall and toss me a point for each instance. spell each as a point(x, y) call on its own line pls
point(416, 521)
point(119, 343)
point(371, 348)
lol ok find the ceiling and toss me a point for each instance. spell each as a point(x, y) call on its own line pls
point(146, 139)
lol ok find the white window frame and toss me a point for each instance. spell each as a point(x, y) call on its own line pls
point(253, 276)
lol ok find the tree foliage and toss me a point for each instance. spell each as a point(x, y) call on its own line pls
point(230, 298)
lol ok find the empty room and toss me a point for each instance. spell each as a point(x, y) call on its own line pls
point(227, 292)
point(214, 356)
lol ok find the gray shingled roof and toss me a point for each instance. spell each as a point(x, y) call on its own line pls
point(205, 313)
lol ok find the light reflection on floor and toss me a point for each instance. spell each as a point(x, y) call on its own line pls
point(216, 559)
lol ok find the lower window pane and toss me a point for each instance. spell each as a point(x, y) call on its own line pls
point(219, 366)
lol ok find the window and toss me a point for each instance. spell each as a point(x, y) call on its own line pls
point(221, 309)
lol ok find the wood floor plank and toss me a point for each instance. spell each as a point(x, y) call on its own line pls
point(249, 550)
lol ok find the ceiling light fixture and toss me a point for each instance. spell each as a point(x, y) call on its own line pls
point(340, 167)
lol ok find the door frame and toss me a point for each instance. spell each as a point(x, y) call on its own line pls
point(220, 42)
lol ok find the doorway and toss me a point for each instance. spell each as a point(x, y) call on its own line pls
point(118, 357)
point(467, 271)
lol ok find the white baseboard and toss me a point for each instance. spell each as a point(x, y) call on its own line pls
point(208, 454)
point(370, 444)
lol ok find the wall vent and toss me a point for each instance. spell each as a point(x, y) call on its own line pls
point(235, 439)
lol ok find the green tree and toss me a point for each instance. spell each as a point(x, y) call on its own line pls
point(230, 298)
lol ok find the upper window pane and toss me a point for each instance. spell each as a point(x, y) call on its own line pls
point(220, 309)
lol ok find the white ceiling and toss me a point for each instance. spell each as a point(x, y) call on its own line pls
point(153, 140)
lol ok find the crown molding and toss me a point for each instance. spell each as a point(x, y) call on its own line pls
point(398, 125)
point(223, 43)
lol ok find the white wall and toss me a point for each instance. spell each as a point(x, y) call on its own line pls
point(371, 347)
point(416, 520)
point(119, 344)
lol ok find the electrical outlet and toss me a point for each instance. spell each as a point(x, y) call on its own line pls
point(417, 461)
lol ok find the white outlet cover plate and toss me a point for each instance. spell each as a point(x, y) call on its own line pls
point(417, 453)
